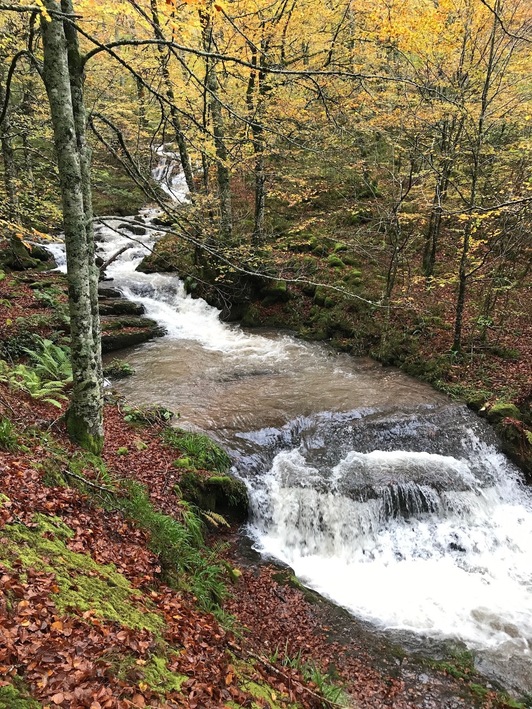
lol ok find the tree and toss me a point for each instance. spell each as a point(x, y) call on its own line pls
point(62, 74)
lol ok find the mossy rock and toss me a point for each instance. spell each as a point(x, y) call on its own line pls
point(335, 262)
point(118, 369)
point(320, 294)
point(133, 228)
point(128, 331)
point(339, 246)
point(277, 292)
point(169, 255)
point(222, 494)
point(476, 400)
point(319, 247)
point(502, 410)
point(299, 246)
point(350, 259)
point(19, 258)
point(109, 292)
point(251, 317)
point(120, 306)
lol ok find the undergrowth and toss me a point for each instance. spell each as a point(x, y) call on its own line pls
point(199, 448)
point(327, 685)
point(186, 561)
point(47, 375)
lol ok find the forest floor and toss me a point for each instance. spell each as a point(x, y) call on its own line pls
point(97, 611)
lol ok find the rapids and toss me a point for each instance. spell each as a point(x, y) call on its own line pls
point(380, 493)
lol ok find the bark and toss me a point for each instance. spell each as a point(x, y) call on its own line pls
point(478, 146)
point(255, 111)
point(63, 81)
point(174, 115)
point(450, 138)
point(10, 170)
point(218, 128)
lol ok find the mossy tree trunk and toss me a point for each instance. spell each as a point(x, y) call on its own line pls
point(62, 75)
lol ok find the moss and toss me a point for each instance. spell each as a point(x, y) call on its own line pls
point(335, 262)
point(13, 698)
point(84, 585)
point(339, 246)
point(118, 369)
point(502, 410)
point(77, 430)
point(160, 678)
point(266, 693)
point(319, 247)
point(277, 292)
point(218, 493)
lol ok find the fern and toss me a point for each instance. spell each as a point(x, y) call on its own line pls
point(28, 380)
point(214, 518)
point(51, 362)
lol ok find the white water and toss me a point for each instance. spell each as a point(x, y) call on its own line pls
point(426, 528)
point(434, 551)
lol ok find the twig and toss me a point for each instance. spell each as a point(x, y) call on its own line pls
point(274, 669)
point(5, 403)
point(88, 482)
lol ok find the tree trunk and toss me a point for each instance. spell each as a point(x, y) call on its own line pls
point(218, 128)
point(255, 110)
point(478, 147)
point(174, 115)
point(84, 417)
point(10, 170)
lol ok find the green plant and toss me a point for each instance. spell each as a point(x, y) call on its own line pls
point(149, 415)
point(184, 557)
point(118, 369)
point(8, 436)
point(27, 379)
point(123, 450)
point(50, 361)
point(326, 685)
point(199, 448)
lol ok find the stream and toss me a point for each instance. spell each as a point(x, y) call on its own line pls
point(380, 493)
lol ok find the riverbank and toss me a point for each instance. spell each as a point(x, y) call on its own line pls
point(85, 568)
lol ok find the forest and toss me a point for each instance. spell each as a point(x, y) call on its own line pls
point(358, 174)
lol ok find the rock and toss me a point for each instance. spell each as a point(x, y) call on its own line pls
point(108, 292)
point(335, 262)
point(222, 494)
point(121, 332)
point(502, 410)
point(120, 306)
point(277, 292)
point(134, 228)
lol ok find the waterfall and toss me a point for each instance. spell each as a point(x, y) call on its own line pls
point(380, 493)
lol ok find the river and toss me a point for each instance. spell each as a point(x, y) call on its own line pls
point(382, 494)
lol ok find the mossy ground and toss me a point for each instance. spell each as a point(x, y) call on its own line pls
point(83, 585)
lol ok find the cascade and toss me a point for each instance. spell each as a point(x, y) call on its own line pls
point(380, 493)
